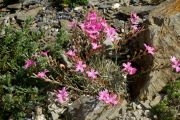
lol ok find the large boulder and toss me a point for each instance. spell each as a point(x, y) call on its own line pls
point(89, 108)
point(164, 34)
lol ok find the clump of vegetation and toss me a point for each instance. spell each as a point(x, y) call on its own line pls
point(79, 61)
point(169, 108)
point(18, 92)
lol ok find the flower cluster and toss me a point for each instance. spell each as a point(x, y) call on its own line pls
point(93, 25)
point(80, 67)
point(108, 98)
point(134, 19)
point(175, 63)
point(128, 68)
point(29, 63)
point(62, 95)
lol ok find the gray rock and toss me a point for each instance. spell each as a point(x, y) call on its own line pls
point(56, 111)
point(147, 113)
point(125, 2)
point(136, 114)
point(146, 104)
point(138, 9)
point(23, 15)
point(163, 33)
point(134, 105)
point(118, 23)
point(156, 100)
point(93, 2)
point(132, 118)
point(104, 6)
point(30, 2)
point(39, 114)
point(88, 108)
point(15, 6)
point(139, 107)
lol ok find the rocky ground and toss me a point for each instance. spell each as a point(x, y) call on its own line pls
point(52, 20)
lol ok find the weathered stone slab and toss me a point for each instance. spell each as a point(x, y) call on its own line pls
point(23, 15)
point(164, 34)
point(89, 108)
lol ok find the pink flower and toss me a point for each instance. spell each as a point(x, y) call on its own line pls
point(175, 63)
point(134, 18)
point(71, 53)
point(134, 21)
point(29, 63)
point(92, 74)
point(44, 53)
point(103, 22)
point(42, 74)
point(108, 98)
point(95, 46)
point(129, 69)
point(103, 95)
point(92, 16)
point(149, 49)
point(135, 27)
point(174, 60)
point(62, 95)
point(80, 66)
point(113, 99)
point(110, 32)
point(111, 35)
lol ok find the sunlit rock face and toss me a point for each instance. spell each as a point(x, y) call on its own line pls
point(163, 33)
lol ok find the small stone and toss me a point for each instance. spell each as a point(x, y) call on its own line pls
point(122, 30)
point(146, 104)
point(123, 110)
point(140, 112)
point(134, 105)
point(104, 6)
point(147, 113)
point(78, 8)
point(155, 117)
point(39, 114)
point(135, 113)
point(145, 118)
point(115, 6)
point(155, 101)
point(132, 118)
point(139, 107)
